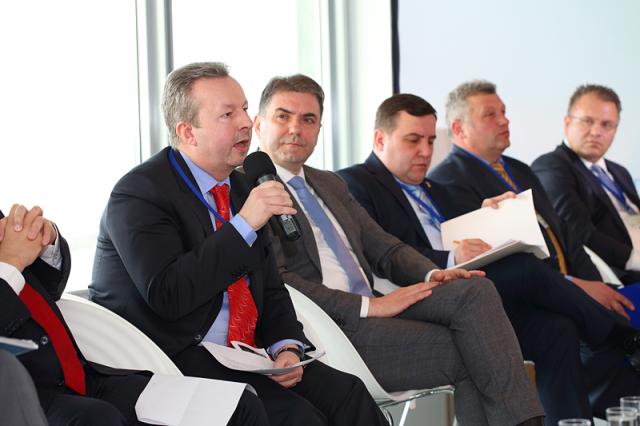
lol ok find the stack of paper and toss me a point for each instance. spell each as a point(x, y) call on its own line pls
point(509, 229)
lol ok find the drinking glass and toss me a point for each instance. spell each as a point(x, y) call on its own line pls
point(622, 416)
point(631, 401)
point(574, 422)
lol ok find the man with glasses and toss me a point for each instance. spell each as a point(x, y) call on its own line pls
point(595, 197)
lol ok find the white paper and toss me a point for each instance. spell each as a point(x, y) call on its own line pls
point(17, 346)
point(188, 401)
point(255, 361)
point(511, 228)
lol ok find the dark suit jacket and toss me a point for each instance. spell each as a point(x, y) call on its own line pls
point(160, 264)
point(469, 182)
point(16, 322)
point(377, 251)
point(584, 204)
point(375, 188)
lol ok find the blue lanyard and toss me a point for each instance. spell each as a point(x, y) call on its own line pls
point(196, 191)
point(435, 214)
point(507, 169)
point(615, 190)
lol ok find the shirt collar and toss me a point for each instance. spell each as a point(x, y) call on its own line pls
point(286, 175)
point(203, 179)
point(587, 163)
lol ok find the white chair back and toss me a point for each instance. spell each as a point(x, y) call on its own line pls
point(608, 276)
point(108, 339)
point(340, 352)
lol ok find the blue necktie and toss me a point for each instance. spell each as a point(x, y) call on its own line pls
point(357, 283)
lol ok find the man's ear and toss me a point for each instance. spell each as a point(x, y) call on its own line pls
point(257, 121)
point(457, 128)
point(378, 140)
point(185, 133)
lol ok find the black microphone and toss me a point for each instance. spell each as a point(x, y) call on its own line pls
point(259, 168)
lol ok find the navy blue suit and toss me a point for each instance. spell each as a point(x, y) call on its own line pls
point(586, 208)
point(550, 316)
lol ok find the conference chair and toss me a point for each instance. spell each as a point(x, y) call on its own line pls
point(342, 355)
point(106, 338)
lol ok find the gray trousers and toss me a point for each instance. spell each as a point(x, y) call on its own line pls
point(19, 404)
point(459, 335)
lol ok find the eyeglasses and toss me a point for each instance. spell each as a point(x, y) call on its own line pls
point(588, 122)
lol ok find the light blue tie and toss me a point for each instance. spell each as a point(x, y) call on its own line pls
point(357, 282)
point(612, 186)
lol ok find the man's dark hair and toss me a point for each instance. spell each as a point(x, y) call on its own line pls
point(411, 104)
point(604, 93)
point(294, 83)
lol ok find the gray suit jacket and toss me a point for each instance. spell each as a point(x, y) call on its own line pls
point(376, 251)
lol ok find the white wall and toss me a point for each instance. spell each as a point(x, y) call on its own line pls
point(536, 52)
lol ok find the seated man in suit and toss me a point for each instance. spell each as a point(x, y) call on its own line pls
point(19, 403)
point(442, 327)
point(594, 196)
point(34, 267)
point(182, 255)
point(476, 170)
point(549, 316)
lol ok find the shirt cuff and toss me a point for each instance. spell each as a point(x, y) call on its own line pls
point(428, 277)
point(634, 261)
point(12, 276)
point(244, 229)
point(364, 307)
point(451, 259)
point(568, 278)
point(52, 254)
point(275, 348)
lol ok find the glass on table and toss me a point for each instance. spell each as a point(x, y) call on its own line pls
point(632, 402)
point(574, 422)
point(622, 416)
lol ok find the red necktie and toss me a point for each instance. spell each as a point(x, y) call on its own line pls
point(42, 313)
point(243, 314)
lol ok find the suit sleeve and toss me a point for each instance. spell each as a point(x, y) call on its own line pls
point(341, 306)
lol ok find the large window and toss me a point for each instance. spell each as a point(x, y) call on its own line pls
point(257, 39)
point(69, 112)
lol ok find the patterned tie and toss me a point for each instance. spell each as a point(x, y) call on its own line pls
point(357, 282)
point(243, 314)
point(42, 313)
point(422, 195)
point(562, 263)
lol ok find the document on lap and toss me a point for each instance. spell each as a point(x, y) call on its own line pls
point(253, 360)
point(188, 401)
point(17, 346)
point(512, 228)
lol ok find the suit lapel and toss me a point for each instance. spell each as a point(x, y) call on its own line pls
point(308, 239)
point(626, 184)
point(598, 191)
point(384, 176)
point(189, 199)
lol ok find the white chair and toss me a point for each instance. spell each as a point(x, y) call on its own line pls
point(108, 339)
point(608, 276)
point(342, 355)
